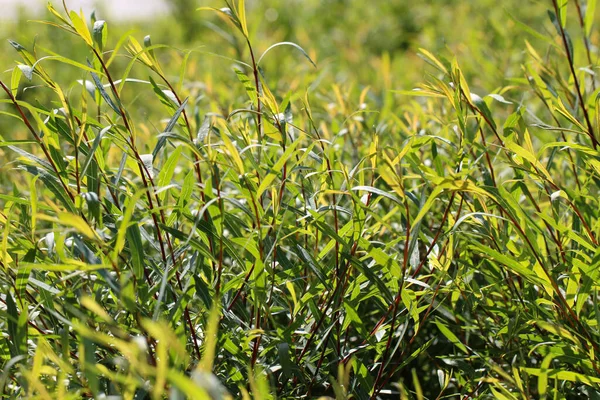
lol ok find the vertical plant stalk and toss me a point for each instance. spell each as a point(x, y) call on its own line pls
point(390, 373)
point(562, 303)
point(76, 147)
point(108, 183)
point(148, 183)
point(196, 163)
point(323, 310)
point(38, 139)
point(260, 247)
point(586, 39)
point(541, 97)
point(578, 89)
point(202, 196)
point(492, 127)
point(388, 344)
point(274, 219)
point(255, 72)
point(221, 237)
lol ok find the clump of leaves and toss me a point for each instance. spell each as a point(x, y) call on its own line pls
point(278, 246)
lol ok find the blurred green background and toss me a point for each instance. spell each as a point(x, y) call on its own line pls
point(348, 36)
point(356, 45)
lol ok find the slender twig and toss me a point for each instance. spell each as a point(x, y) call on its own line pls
point(38, 139)
point(578, 90)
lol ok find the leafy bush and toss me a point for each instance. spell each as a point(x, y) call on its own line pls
point(284, 231)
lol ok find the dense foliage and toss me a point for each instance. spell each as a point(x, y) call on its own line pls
point(276, 213)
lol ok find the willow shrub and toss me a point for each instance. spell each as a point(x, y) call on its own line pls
point(296, 244)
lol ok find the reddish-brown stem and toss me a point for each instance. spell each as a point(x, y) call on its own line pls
point(578, 90)
point(37, 139)
point(586, 40)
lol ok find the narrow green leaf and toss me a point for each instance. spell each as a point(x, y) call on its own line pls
point(17, 327)
point(292, 44)
point(15, 79)
point(590, 12)
point(93, 149)
point(169, 128)
point(167, 171)
point(81, 27)
point(451, 336)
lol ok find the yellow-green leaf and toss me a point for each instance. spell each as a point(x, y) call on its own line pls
point(81, 28)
